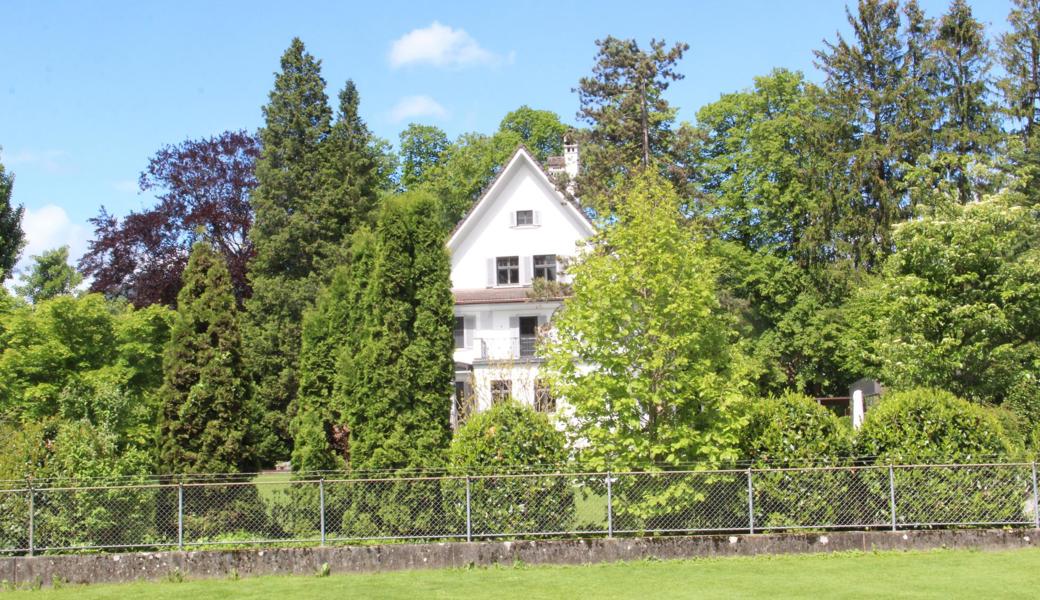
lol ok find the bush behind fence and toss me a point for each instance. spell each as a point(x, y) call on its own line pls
point(37, 518)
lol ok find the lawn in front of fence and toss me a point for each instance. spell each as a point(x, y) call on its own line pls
point(929, 574)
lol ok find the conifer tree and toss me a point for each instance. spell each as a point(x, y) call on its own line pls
point(315, 182)
point(874, 133)
point(205, 422)
point(968, 131)
point(394, 389)
point(332, 332)
point(12, 238)
point(1019, 54)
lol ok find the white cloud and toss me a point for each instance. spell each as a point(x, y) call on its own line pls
point(51, 161)
point(127, 186)
point(50, 227)
point(441, 46)
point(411, 107)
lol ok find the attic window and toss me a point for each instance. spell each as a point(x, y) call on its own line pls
point(524, 217)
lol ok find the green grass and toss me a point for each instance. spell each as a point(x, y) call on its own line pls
point(932, 574)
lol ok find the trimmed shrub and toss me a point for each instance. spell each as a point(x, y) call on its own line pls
point(511, 437)
point(929, 426)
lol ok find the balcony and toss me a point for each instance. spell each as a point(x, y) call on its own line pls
point(522, 347)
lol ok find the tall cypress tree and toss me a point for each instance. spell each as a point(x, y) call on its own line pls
point(394, 389)
point(332, 332)
point(969, 131)
point(205, 423)
point(12, 238)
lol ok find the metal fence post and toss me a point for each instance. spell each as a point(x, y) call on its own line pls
point(750, 504)
point(321, 507)
point(469, 520)
point(180, 515)
point(610, 508)
point(892, 494)
point(32, 517)
point(1036, 501)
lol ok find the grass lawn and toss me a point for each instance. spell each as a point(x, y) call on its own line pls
point(932, 574)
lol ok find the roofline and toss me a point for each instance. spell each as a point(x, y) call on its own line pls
point(520, 150)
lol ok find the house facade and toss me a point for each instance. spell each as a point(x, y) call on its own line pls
point(522, 229)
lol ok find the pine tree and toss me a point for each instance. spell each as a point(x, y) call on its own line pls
point(12, 238)
point(969, 131)
point(205, 422)
point(394, 390)
point(623, 103)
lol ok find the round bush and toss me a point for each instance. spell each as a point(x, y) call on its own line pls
point(929, 426)
point(793, 430)
point(509, 438)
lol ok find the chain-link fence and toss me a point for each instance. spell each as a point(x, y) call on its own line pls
point(42, 518)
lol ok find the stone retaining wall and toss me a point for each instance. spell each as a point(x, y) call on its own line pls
point(99, 568)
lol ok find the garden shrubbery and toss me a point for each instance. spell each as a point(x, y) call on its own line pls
point(511, 437)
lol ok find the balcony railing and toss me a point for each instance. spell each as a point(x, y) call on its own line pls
point(508, 347)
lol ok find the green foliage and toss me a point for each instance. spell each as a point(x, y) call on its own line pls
point(643, 350)
point(623, 102)
point(466, 168)
point(956, 308)
point(511, 437)
point(207, 419)
point(539, 130)
point(316, 182)
point(1017, 49)
point(793, 430)
point(51, 275)
point(928, 425)
point(84, 358)
point(393, 384)
point(12, 238)
point(422, 148)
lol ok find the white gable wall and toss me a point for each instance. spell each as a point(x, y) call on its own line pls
point(489, 233)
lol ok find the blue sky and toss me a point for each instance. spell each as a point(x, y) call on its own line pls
point(89, 90)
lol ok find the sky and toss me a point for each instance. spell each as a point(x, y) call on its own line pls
point(90, 90)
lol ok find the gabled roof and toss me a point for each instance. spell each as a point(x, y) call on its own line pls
point(520, 157)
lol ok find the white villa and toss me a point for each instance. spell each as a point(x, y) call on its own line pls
point(517, 232)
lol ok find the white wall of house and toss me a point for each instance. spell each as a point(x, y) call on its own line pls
point(492, 347)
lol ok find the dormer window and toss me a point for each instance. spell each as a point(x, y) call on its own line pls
point(524, 217)
point(508, 269)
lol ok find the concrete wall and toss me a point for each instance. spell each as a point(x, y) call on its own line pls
point(98, 568)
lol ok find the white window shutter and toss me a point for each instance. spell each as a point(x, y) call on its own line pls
point(542, 319)
point(492, 276)
point(537, 218)
point(469, 324)
point(512, 218)
point(514, 323)
point(526, 270)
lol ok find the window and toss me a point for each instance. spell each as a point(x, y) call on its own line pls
point(545, 267)
point(543, 398)
point(524, 217)
point(501, 390)
point(508, 268)
point(460, 332)
point(528, 336)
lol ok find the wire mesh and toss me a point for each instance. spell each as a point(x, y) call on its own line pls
point(201, 513)
point(930, 495)
point(829, 498)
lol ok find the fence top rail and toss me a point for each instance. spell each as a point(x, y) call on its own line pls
point(315, 478)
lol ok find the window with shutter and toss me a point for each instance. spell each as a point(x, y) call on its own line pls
point(524, 218)
point(545, 267)
point(508, 270)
